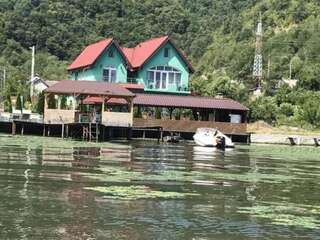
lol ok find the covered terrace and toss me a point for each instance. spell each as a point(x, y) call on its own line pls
point(187, 113)
point(69, 102)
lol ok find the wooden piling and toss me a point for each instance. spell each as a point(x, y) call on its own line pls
point(62, 131)
point(13, 128)
point(67, 131)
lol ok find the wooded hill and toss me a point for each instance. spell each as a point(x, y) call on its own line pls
point(218, 37)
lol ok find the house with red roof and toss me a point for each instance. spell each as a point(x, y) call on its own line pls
point(157, 63)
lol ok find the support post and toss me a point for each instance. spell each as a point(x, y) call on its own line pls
point(129, 133)
point(44, 130)
point(67, 131)
point(13, 128)
point(62, 130)
point(45, 105)
point(22, 129)
point(161, 134)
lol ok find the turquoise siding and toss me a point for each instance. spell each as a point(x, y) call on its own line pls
point(174, 60)
point(94, 73)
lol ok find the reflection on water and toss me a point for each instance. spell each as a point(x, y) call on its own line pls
point(258, 192)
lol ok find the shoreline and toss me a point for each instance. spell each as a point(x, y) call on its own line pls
point(280, 138)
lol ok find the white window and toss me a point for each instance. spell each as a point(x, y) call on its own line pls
point(161, 77)
point(109, 74)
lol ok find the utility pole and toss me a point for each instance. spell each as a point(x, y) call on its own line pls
point(290, 69)
point(2, 87)
point(269, 65)
point(257, 66)
point(32, 71)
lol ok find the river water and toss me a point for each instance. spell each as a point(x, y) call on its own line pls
point(58, 189)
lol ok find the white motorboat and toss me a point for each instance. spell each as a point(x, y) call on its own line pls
point(211, 137)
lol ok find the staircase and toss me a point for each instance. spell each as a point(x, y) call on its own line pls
point(91, 132)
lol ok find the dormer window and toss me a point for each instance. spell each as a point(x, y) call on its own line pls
point(166, 52)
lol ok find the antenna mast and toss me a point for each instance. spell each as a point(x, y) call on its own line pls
point(32, 71)
point(257, 65)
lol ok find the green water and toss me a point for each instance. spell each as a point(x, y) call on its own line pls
point(55, 189)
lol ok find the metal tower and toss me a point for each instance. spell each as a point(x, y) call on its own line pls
point(257, 65)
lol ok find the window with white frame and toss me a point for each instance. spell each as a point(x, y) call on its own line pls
point(162, 77)
point(109, 74)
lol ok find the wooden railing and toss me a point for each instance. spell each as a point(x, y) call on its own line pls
point(117, 119)
point(190, 126)
point(59, 116)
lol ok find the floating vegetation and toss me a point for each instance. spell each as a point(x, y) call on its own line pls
point(121, 174)
point(282, 152)
point(137, 192)
point(287, 214)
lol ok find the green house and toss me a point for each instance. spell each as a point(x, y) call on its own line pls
point(158, 64)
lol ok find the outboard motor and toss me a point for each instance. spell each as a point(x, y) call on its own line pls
point(221, 143)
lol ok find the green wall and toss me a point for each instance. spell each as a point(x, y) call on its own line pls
point(174, 60)
point(94, 73)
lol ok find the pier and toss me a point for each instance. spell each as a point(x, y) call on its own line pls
point(98, 111)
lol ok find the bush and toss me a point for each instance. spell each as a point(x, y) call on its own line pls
point(264, 108)
point(287, 109)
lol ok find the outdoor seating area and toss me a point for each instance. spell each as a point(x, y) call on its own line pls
point(69, 102)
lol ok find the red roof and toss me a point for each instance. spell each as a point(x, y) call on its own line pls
point(90, 54)
point(141, 53)
point(98, 100)
point(129, 86)
point(161, 100)
point(138, 55)
point(89, 88)
point(135, 57)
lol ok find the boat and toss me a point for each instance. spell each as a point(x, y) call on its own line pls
point(172, 139)
point(211, 137)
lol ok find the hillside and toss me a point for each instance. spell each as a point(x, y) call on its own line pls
point(218, 37)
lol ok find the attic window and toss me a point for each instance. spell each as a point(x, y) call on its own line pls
point(110, 54)
point(166, 52)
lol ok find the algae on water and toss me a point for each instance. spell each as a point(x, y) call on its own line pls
point(137, 192)
point(287, 214)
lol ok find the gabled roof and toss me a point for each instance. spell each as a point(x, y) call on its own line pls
point(135, 57)
point(141, 53)
point(89, 88)
point(92, 52)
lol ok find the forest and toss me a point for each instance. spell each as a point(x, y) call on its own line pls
point(217, 36)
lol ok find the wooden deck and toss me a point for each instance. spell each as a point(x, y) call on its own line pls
point(190, 126)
